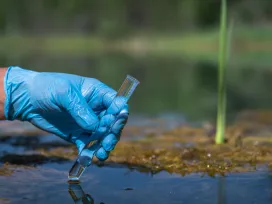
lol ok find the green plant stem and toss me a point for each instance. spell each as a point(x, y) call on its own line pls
point(221, 107)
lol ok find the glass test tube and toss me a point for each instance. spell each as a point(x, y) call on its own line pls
point(84, 159)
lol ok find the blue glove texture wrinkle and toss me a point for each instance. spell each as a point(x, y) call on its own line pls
point(69, 106)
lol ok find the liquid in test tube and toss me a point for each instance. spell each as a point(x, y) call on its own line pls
point(85, 157)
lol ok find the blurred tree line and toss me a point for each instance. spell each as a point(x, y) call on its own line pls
point(121, 17)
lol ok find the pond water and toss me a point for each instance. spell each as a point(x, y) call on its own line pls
point(116, 183)
point(48, 184)
point(172, 91)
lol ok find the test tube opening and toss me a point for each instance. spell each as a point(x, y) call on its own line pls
point(128, 87)
point(131, 78)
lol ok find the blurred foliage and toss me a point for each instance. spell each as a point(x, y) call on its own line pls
point(168, 84)
point(163, 48)
point(120, 17)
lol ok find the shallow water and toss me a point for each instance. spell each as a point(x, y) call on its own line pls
point(48, 184)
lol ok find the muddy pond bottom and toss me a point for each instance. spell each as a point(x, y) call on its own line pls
point(48, 184)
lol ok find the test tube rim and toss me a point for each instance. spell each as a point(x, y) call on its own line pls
point(134, 83)
point(133, 79)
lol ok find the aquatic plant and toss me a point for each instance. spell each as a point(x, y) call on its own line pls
point(224, 48)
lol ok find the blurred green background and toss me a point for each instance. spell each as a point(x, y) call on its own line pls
point(171, 46)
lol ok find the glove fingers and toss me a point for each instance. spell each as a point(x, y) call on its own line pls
point(108, 97)
point(102, 154)
point(110, 101)
point(116, 123)
point(77, 106)
point(117, 105)
point(109, 142)
point(124, 109)
point(106, 121)
point(119, 125)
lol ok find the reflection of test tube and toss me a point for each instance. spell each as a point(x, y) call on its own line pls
point(78, 194)
point(84, 159)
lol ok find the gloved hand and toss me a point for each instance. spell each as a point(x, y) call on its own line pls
point(69, 106)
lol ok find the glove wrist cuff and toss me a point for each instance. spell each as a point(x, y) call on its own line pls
point(15, 86)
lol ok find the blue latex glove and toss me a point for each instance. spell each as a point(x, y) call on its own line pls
point(69, 106)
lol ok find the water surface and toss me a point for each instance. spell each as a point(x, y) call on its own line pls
point(47, 184)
